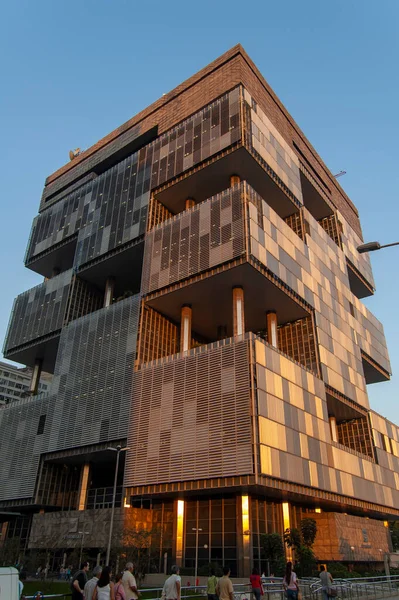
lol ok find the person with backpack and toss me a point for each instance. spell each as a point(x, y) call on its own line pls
point(79, 581)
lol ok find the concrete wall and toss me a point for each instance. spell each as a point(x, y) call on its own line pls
point(338, 533)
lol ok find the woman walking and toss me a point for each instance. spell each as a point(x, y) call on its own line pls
point(256, 584)
point(290, 582)
point(119, 589)
point(105, 589)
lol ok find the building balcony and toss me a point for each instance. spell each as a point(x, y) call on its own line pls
point(192, 416)
point(40, 313)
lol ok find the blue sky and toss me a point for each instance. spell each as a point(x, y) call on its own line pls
point(73, 71)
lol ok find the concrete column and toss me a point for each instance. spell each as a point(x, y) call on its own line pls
point(190, 202)
point(3, 533)
point(109, 291)
point(185, 328)
point(333, 428)
point(287, 525)
point(179, 531)
point(234, 180)
point(36, 373)
point(98, 559)
point(238, 312)
point(84, 484)
point(272, 336)
point(244, 529)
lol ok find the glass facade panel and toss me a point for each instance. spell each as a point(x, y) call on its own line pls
point(219, 533)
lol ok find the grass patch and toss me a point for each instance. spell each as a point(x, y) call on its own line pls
point(46, 587)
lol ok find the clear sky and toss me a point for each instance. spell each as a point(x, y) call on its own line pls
point(73, 71)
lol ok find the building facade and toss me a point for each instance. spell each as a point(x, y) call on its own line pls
point(202, 305)
point(15, 383)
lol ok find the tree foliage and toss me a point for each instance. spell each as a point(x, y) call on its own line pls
point(272, 552)
point(394, 529)
point(301, 541)
point(308, 532)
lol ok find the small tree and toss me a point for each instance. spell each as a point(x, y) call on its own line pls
point(9, 551)
point(141, 547)
point(302, 540)
point(308, 532)
point(394, 529)
point(272, 551)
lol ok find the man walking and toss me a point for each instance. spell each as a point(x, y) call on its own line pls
point(129, 583)
point(91, 584)
point(224, 588)
point(79, 581)
point(172, 586)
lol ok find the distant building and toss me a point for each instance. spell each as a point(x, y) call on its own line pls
point(15, 382)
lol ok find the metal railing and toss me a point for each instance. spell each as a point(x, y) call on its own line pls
point(363, 588)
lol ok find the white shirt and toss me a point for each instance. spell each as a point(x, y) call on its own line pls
point(89, 588)
point(170, 588)
point(292, 584)
point(129, 580)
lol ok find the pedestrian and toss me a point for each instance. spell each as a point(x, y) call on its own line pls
point(91, 584)
point(172, 586)
point(21, 582)
point(211, 586)
point(119, 589)
point(105, 589)
point(256, 584)
point(129, 583)
point(326, 581)
point(79, 581)
point(290, 582)
point(224, 588)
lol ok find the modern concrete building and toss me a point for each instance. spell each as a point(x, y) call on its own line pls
point(202, 305)
point(15, 383)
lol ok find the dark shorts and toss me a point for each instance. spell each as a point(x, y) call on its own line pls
point(292, 594)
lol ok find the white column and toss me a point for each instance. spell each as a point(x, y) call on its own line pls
point(109, 291)
point(238, 311)
point(185, 329)
point(272, 336)
point(333, 428)
point(35, 379)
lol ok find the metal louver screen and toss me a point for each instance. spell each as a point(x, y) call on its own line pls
point(93, 376)
point(21, 445)
point(191, 418)
point(89, 400)
point(198, 239)
point(39, 311)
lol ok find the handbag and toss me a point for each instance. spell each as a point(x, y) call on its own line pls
point(299, 595)
point(332, 592)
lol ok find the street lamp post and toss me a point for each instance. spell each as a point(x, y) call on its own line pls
point(118, 450)
point(83, 533)
point(197, 530)
point(371, 246)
